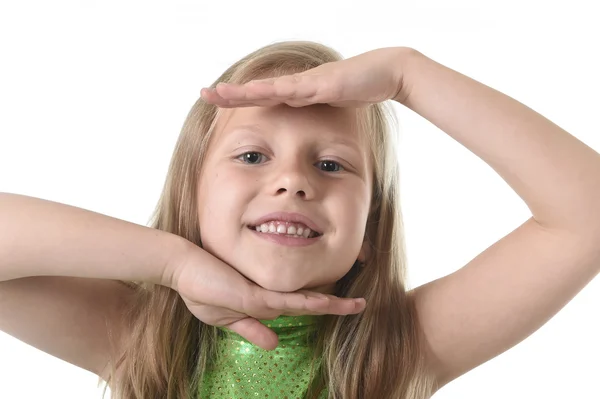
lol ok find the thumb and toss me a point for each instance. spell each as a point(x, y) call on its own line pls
point(255, 332)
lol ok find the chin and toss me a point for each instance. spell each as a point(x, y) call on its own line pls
point(277, 283)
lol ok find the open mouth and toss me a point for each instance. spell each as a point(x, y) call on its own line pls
point(294, 230)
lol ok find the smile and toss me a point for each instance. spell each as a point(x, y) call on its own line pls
point(286, 233)
point(295, 230)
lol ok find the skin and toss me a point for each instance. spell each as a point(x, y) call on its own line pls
point(289, 176)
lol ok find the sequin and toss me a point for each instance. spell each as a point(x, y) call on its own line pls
point(242, 370)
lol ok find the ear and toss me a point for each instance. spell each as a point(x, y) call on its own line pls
point(365, 252)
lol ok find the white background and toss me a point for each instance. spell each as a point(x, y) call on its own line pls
point(93, 94)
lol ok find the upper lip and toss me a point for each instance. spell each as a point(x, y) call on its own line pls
point(290, 217)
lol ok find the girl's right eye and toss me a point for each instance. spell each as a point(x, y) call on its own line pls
point(252, 157)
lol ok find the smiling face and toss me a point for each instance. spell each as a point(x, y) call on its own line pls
point(272, 173)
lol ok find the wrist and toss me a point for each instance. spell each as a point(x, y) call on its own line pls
point(178, 250)
point(402, 70)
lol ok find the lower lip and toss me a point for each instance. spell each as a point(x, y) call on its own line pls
point(282, 239)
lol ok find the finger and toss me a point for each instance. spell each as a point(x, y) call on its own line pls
point(331, 304)
point(314, 302)
point(255, 332)
point(254, 103)
point(253, 90)
point(264, 93)
point(290, 87)
point(215, 315)
point(305, 310)
point(212, 96)
point(337, 306)
point(266, 103)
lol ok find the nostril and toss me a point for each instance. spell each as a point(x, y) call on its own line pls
point(301, 193)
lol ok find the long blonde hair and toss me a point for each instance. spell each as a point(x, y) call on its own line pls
point(375, 354)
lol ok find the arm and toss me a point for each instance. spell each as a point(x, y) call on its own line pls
point(45, 238)
point(59, 267)
point(514, 287)
point(67, 317)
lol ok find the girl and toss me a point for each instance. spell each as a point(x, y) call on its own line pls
point(276, 268)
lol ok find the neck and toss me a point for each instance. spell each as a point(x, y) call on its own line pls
point(242, 369)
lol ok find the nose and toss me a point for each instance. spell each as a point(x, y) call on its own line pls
point(294, 179)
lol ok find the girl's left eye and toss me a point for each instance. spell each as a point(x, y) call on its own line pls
point(329, 166)
point(251, 157)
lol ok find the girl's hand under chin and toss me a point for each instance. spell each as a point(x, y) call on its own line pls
point(359, 81)
point(218, 295)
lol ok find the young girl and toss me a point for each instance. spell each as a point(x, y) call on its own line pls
point(275, 266)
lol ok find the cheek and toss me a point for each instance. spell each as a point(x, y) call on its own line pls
point(350, 209)
point(357, 202)
point(221, 203)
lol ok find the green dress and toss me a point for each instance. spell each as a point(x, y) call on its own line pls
point(242, 370)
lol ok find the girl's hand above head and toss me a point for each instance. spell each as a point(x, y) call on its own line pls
point(218, 295)
point(368, 78)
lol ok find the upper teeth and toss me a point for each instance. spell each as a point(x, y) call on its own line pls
point(276, 227)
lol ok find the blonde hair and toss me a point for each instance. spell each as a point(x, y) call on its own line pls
point(375, 354)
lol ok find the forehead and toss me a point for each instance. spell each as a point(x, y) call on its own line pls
point(318, 118)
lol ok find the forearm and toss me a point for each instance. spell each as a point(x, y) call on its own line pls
point(556, 175)
point(45, 238)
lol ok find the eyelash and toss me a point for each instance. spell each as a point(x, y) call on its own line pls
point(242, 157)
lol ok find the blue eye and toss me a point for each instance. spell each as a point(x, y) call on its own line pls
point(252, 157)
point(256, 158)
point(329, 166)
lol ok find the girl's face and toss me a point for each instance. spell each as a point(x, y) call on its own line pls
point(286, 170)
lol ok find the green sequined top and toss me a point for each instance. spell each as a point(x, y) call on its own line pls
point(243, 370)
